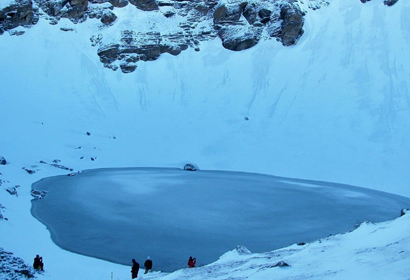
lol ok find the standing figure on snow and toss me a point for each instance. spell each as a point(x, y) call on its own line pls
point(38, 263)
point(191, 262)
point(148, 265)
point(135, 268)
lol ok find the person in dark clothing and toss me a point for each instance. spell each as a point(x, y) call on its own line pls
point(191, 262)
point(38, 263)
point(135, 268)
point(148, 265)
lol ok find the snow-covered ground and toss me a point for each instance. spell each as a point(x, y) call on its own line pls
point(334, 108)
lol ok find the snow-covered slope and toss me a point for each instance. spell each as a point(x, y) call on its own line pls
point(335, 107)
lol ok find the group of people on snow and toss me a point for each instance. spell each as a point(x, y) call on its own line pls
point(136, 267)
point(38, 263)
point(148, 266)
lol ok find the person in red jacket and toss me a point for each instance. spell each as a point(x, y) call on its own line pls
point(191, 262)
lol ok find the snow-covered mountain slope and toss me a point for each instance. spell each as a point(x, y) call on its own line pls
point(372, 251)
point(334, 107)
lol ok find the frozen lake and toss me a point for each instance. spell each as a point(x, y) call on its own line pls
point(170, 214)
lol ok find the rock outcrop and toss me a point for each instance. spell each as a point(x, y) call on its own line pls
point(12, 267)
point(21, 13)
point(239, 24)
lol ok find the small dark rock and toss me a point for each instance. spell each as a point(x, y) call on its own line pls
point(390, 2)
point(65, 29)
point(29, 171)
point(281, 264)
point(301, 243)
point(88, 133)
point(169, 14)
point(12, 191)
point(37, 194)
point(3, 161)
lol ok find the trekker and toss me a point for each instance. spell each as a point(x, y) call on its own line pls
point(191, 262)
point(38, 263)
point(135, 268)
point(148, 265)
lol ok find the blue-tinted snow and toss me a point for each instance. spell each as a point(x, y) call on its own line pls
point(170, 214)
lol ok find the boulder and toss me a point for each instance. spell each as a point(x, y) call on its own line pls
point(109, 53)
point(127, 67)
point(228, 13)
point(108, 17)
point(3, 161)
point(119, 3)
point(145, 5)
point(236, 38)
point(292, 24)
point(77, 11)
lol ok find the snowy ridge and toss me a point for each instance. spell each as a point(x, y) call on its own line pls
point(372, 251)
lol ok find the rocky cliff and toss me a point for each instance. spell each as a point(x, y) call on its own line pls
point(240, 24)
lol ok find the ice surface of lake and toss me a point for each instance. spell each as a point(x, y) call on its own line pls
point(170, 214)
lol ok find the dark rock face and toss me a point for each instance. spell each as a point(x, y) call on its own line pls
point(239, 24)
point(140, 46)
point(292, 24)
point(390, 2)
point(19, 14)
point(145, 5)
point(226, 13)
point(119, 3)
